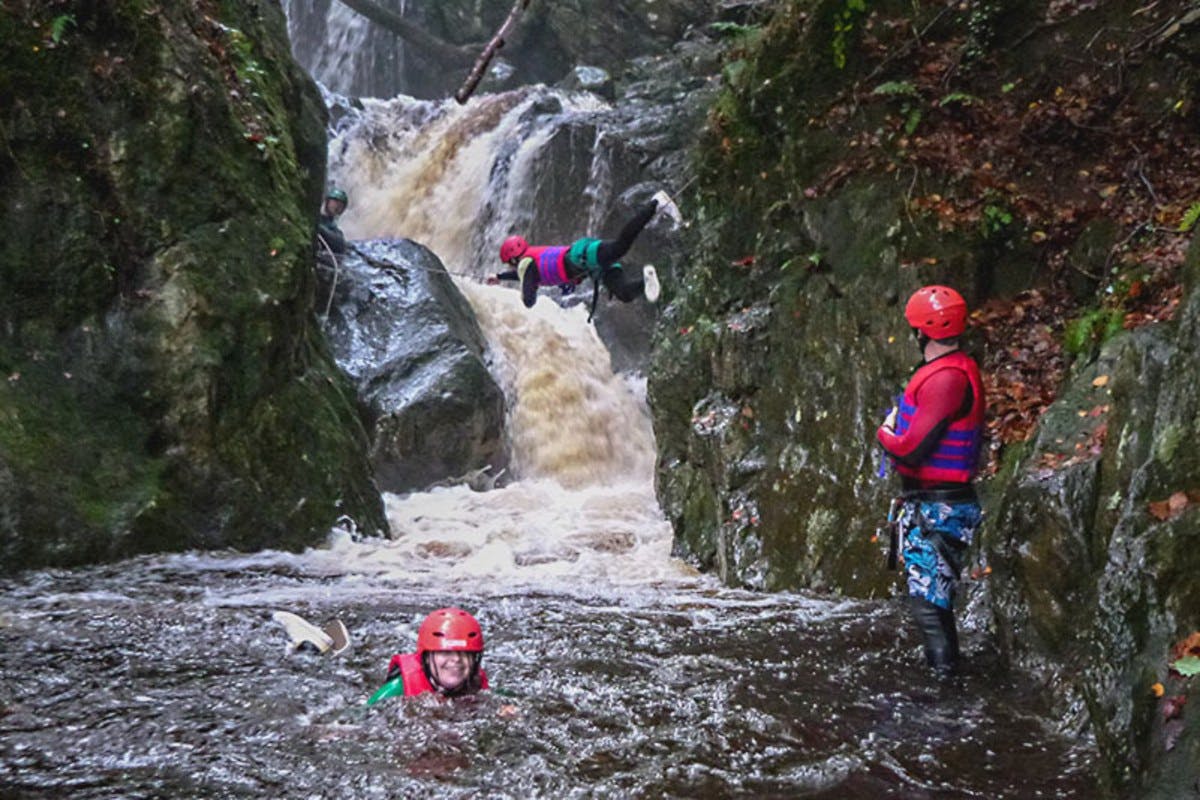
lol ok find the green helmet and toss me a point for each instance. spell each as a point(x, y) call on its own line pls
point(338, 194)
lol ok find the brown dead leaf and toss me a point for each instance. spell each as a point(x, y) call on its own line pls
point(1159, 510)
point(1190, 646)
point(1100, 380)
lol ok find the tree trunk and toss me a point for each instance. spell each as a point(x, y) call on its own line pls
point(427, 45)
point(481, 64)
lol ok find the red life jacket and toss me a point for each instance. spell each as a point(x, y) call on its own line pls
point(413, 674)
point(953, 459)
point(551, 264)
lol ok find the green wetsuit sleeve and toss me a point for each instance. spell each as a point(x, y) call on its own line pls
point(393, 688)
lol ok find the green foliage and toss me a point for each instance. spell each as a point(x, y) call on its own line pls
point(733, 71)
point(981, 31)
point(907, 91)
point(896, 88)
point(736, 31)
point(995, 220)
point(1092, 329)
point(1190, 217)
point(58, 26)
point(912, 121)
point(242, 50)
point(842, 26)
point(962, 98)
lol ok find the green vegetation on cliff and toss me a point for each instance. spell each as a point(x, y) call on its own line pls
point(165, 385)
point(1042, 158)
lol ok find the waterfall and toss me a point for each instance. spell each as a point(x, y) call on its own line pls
point(343, 50)
point(459, 179)
point(578, 504)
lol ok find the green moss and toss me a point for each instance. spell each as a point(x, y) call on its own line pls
point(174, 286)
point(1088, 332)
point(1168, 443)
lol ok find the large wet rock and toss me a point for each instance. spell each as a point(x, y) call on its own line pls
point(165, 383)
point(409, 340)
point(1094, 576)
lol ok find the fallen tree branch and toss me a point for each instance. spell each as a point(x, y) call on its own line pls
point(485, 58)
point(420, 39)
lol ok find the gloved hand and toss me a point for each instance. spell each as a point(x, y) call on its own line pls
point(889, 421)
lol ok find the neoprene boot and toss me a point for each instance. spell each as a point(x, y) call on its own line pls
point(938, 632)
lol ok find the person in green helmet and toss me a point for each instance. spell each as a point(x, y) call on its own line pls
point(328, 231)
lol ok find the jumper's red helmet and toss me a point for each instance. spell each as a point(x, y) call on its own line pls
point(939, 312)
point(450, 629)
point(513, 247)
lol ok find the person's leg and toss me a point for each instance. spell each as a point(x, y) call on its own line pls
point(928, 592)
point(527, 274)
point(623, 287)
point(936, 539)
point(611, 250)
point(939, 640)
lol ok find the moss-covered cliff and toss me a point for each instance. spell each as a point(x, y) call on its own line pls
point(165, 385)
point(1040, 156)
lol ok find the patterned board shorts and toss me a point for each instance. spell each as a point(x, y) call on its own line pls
point(936, 537)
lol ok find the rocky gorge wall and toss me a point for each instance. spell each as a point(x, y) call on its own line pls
point(1014, 151)
point(351, 56)
point(165, 385)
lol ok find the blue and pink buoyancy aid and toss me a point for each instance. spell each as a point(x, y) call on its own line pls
point(954, 458)
point(553, 262)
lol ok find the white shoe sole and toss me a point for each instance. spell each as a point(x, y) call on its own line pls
point(652, 287)
point(334, 638)
point(667, 207)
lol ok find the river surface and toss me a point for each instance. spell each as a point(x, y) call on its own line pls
point(631, 675)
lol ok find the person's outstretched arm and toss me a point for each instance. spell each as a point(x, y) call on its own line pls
point(508, 275)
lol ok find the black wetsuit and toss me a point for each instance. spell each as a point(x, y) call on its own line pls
point(624, 287)
point(328, 230)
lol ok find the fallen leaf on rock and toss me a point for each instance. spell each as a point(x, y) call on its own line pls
point(1187, 667)
point(1157, 690)
point(1189, 646)
point(1171, 733)
point(1172, 707)
point(1173, 506)
point(1100, 380)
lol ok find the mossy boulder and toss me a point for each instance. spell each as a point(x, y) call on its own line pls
point(1095, 569)
point(165, 383)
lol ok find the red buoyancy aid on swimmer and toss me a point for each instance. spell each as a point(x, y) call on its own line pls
point(954, 458)
point(408, 666)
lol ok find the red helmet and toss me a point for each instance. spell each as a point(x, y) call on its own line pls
point(939, 312)
point(450, 629)
point(513, 247)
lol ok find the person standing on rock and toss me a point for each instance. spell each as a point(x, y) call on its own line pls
point(568, 265)
point(933, 437)
point(327, 228)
